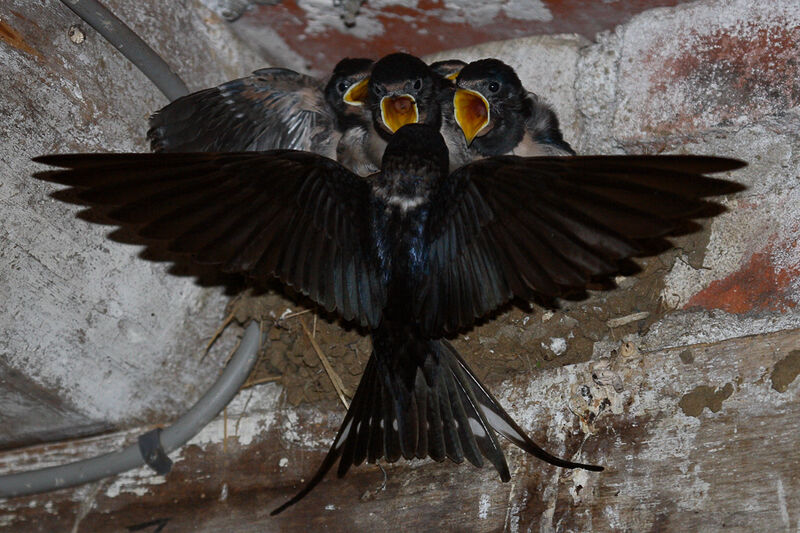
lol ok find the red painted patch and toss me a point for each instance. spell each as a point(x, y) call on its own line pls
point(751, 69)
point(759, 285)
point(420, 30)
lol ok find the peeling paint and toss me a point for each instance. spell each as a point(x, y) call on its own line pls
point(785, 371)
point(241, 425)
point(136, 481)
point(759, 285)
point(710, 63)
point(703, 396)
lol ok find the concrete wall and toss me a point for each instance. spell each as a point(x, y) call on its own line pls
point(695, 435)
point(91, 336)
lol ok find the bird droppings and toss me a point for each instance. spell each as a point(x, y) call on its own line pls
point(579, 480)
point(785, 371)
point(76, 34)
point(558, 345)
point(283, 463)
point(698, 462)
point(704, 396)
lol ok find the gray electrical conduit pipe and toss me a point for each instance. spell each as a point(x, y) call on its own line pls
point(153, 446)
point(130, 45)
point(172, 438)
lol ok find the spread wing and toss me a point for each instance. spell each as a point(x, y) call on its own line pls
point(521, 227)
point(273, 109)
point(292, 215)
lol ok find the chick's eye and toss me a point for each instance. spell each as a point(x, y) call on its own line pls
point(377, 89)
point(341, 87)
point(417, 84)
point(494, 87)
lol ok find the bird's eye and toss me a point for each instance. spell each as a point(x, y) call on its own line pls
point(417, 84)
point(341, 87)
point(494, 87)
point(378, 89)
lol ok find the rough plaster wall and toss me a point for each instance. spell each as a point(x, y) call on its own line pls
point(719, 78)
point(716, 78)
point(712, 77)
point(91, 336)
point(316, 34)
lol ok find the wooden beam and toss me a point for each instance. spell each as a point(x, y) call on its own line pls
point(700, 437)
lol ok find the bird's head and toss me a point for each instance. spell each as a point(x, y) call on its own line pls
point(484, 90)
point(402, 90)
point(346, 91)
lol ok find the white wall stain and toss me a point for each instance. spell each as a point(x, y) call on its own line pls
point(321, 17)
point(480, 12)
point(137, 481)
point(483, 506)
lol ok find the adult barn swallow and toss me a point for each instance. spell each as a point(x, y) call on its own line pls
point(412, 253)
point(498, 116)
point(275, 108)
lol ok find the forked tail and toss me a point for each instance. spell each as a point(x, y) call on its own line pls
point(418, 398)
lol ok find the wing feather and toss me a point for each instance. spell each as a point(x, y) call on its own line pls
point(274, 108)
point(511, 226)
point(292, 215)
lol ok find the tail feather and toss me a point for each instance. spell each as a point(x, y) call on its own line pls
point(452, 443)
point(502, 422)
point(436, 446)
point(418, 398)
point(421, 396)
point(391, 434)
point(360, 399)
point(462, 421)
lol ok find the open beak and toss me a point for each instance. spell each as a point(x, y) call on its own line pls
point(357, 93)
point(472, 112)
point(397, 111)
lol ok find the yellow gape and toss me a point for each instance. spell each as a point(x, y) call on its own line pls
point(472, 112)
point(357, 93)
point(397, 111)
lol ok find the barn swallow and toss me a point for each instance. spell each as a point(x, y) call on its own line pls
point(275, 108)
point(412, 253)
point(498, 116)
point(402, 89)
